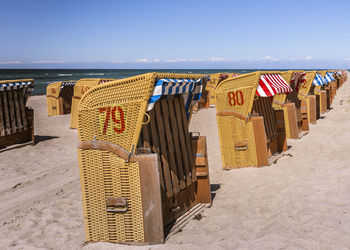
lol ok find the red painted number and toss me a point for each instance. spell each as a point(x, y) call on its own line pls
point(235, 98)
point(121, 122)
point(84, 89)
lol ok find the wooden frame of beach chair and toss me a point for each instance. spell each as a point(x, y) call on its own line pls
point(312, 101)
point(213, 82)
point(142, 174)
point(251, 132)
point(59, 97)
point(80, 88)
point(295, 110)
point(16, 119)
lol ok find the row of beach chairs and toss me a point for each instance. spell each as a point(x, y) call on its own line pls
point(144, 174)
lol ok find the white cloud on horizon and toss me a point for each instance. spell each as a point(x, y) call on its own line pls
point(145, 60)
point(217, 59)
point(308, 58)
point(10, 62)
point(269, 58)
point(118, 61)
point(48, 61)
point(184, 60)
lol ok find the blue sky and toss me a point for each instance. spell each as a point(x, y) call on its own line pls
point(174, 34)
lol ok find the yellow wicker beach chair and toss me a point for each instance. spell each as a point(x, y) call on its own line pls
point(294, 109)
point(251, 132)
point(140, 168)
point(306, 93)
point(80, 88)
point(16, 119)
point(59, 97)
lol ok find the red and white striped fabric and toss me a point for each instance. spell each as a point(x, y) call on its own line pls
point(272, 84)
point(104, 81)
point(298, 79)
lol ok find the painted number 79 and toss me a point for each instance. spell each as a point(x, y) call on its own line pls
point(119, 122)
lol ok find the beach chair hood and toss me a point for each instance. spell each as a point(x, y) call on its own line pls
point(115, 111)
point(319, 80)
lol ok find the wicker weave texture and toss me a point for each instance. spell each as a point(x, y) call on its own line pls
point(305, 88)
point(80, 88)
point(231, 131)
point(52, 101)
point(105, 175)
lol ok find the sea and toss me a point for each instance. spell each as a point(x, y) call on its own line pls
point(42, 77)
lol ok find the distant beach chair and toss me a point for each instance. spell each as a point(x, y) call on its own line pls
point(212, 84)
point(143, 174)
point(319, 89)
point(341, 77)
point(306, 92)
point(16, 120)
point(59, 97)
point(80, 88)
point(294, 109)
point(330, 86)
point(251, 132)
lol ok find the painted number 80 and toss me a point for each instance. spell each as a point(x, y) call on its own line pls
point(235, 98)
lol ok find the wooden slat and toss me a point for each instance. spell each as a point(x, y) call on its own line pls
point(175, 134)
point(2, 124)
point(170, 145)
point(168, 175)
point(22, 106)
point(188, 140)
point(7, 113)
point(268, 117)
point(145, 136)
point(182, 132)
point(164, 183)
point(12, 111)
point(17, 111)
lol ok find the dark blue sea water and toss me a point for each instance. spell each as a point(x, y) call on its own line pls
point(42, 77)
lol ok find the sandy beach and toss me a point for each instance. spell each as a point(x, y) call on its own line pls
point(300, 202)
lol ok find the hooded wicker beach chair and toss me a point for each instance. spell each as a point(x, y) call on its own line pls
point(294, 109)
point(80, 88)
point(143, 174)
point(306, 93)
point(251, 132)
point(320, 89)
point(16, 119)
point(59, 97)
point(330, 86)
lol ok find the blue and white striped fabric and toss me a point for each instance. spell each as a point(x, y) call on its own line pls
point(16, 85)
point(319, 80)
point(329, 77)
point(189, 89)
point(63, 84)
